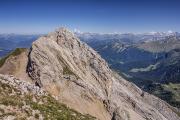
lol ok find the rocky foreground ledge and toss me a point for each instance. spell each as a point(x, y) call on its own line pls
point(22, 86)
point(24, 101)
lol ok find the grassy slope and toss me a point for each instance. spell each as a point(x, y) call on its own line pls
point(174, 89)
point(16, 52)
point(168, 92)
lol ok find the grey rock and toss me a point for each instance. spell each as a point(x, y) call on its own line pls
point(21, 85)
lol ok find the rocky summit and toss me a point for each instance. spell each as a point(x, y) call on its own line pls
point(76, 75)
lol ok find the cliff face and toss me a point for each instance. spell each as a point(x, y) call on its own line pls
point(77, 76)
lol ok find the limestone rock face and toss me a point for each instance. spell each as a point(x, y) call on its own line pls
point(76, 75)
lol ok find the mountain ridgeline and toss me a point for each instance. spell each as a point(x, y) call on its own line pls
point(75, 75)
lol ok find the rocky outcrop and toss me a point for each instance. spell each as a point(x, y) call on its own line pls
point(22, 86)
point(20, 100)
point(76, 75)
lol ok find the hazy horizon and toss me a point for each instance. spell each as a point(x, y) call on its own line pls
point(81, 32)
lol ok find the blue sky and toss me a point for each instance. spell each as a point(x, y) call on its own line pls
point(42, 16)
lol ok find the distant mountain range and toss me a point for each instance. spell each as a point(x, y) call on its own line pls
point(9, 42)
point(138, 54)
point(127, 37)
point(12, 41)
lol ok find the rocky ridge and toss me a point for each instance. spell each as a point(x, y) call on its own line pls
point(77, 76)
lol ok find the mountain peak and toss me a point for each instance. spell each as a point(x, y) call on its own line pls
point(63, 30)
